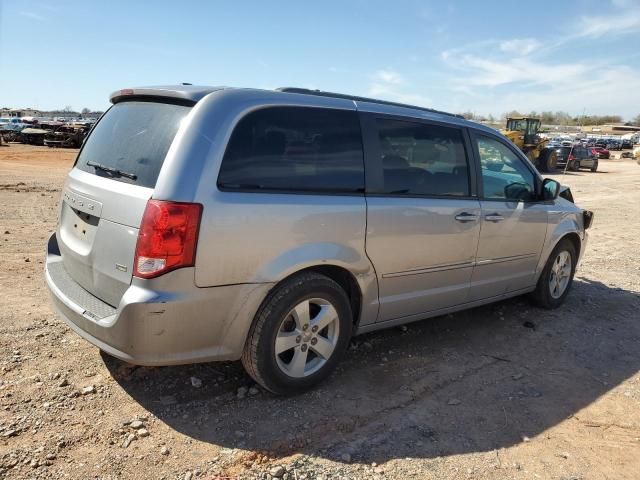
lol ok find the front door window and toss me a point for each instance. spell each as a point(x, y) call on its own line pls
point(504, 174)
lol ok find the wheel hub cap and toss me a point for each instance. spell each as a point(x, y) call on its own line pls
point(307, 337)
point(560, 274)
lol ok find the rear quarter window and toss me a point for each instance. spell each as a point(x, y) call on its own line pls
point(130, 142)
point(298, 149)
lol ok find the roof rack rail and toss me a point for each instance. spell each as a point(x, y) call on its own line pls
point(320, 93)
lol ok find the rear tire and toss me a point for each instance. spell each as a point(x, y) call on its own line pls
point(595, 167)
point(299, 334)
point(556, 278)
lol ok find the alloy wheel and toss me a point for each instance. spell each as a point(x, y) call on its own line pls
point(560, 274)
point(307, 337)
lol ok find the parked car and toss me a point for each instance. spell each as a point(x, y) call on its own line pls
point(203, 223)
point(575, 158)
point(613, 144)
point(601, 152)
point(627, 144)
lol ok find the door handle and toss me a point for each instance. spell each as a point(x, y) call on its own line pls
point(466, 217)
point(494, 217)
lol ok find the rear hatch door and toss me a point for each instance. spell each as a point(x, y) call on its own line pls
point(106, 193)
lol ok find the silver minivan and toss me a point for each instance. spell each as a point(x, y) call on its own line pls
point(210, 223)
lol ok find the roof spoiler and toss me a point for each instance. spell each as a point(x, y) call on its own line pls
point(185, 94)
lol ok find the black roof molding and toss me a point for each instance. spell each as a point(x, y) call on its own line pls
point(355, 98)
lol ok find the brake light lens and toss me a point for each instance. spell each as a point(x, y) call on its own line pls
point(167, 237)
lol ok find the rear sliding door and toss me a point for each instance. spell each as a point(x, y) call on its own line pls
point(422, 214)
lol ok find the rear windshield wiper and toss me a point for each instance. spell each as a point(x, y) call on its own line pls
point(113, 171)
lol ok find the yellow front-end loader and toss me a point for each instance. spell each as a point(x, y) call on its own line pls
point(524, 133)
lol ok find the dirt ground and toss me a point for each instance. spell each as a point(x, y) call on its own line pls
point(502, 391)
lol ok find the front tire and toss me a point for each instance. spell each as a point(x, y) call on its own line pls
point(595, 167)
point(547, 160)
point(299, 334)
point(556, 278)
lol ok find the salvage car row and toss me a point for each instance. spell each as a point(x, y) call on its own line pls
point(44, 132)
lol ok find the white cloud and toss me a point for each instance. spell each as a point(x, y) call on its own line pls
point(489, 84)
point(533, 73)
point(388, 76)
point(32, 15)
point(598, 26)
point(528, 74)
point(624, 19)
point(390, 85)
point(520, 46)
point(598, 93)
point(493, 72)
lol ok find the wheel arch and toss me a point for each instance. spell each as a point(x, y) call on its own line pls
point(574, 238)
point(566, 230)
point(343, 277)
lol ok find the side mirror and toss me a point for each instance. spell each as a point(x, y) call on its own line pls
point(518, 191)
point(550, 189)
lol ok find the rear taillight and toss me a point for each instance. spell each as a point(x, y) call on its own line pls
point(167, 237)
point(572, 157)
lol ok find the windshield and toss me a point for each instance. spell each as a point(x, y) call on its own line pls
point(131, 140)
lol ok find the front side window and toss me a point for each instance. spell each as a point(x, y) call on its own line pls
point(421, 159)
point(295, 149)
point(504, 175)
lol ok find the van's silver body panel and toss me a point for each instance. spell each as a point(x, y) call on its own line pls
point(409, 256)
point(94, 241)
point(423, 256)
point(163, 321)
point(508, 250)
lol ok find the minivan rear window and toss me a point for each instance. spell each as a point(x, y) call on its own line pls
point(297, 149)
point(131, 140)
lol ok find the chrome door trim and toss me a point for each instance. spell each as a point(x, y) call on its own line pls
point(454, 266)
point(437, 268)
point(505, 259)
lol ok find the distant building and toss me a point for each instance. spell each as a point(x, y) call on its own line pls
point(610, 129)
point(18, 112)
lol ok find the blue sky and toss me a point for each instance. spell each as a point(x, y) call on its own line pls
point(485, 57)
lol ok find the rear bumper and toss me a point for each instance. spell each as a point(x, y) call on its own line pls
point(164, 321)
